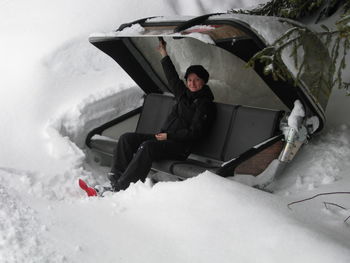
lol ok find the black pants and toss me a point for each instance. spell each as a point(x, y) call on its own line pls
point(134, 154)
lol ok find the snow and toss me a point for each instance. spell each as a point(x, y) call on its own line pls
point(295, 117)
point(327, 162)
point(138, 30)
point(55, 87)
point(135, 29)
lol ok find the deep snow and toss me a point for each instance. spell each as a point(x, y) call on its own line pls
point(55, 86)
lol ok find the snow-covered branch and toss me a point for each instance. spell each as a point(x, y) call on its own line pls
point(337, 41)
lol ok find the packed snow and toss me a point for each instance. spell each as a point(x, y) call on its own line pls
point(296, 116)
point(55, 87)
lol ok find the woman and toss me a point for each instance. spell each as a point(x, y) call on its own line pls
point(187, 123)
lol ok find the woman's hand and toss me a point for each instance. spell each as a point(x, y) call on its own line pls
point(161, 136)
point(162, 48)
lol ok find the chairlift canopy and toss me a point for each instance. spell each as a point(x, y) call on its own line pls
point(223, 44)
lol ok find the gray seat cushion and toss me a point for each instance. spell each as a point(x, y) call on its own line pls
point(212, 146)
point(249, 127)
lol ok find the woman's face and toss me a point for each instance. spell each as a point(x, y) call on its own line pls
point(194, 83)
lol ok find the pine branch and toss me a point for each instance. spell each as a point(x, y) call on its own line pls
point(334, 40)
point(296, 9)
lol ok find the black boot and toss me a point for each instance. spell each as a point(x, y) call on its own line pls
point(113, 178)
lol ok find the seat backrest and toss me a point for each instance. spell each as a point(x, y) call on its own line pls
point(235, 129)
point(212, 146)
point(156, 108)
point(249, 127)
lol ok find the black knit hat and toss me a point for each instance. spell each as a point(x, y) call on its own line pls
point(199, 70)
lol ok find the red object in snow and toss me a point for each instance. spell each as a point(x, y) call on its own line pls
point(89, 190)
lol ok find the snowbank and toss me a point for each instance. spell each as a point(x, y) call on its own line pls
point(323, 161)
point(21, 232)
point(50, 65)
point(185, 222)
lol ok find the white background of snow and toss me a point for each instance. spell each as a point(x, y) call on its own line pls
point(53, 83)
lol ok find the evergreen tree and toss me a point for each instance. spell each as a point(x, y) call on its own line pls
point(337, 40)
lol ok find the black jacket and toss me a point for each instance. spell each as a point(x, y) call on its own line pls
point(194, 112)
